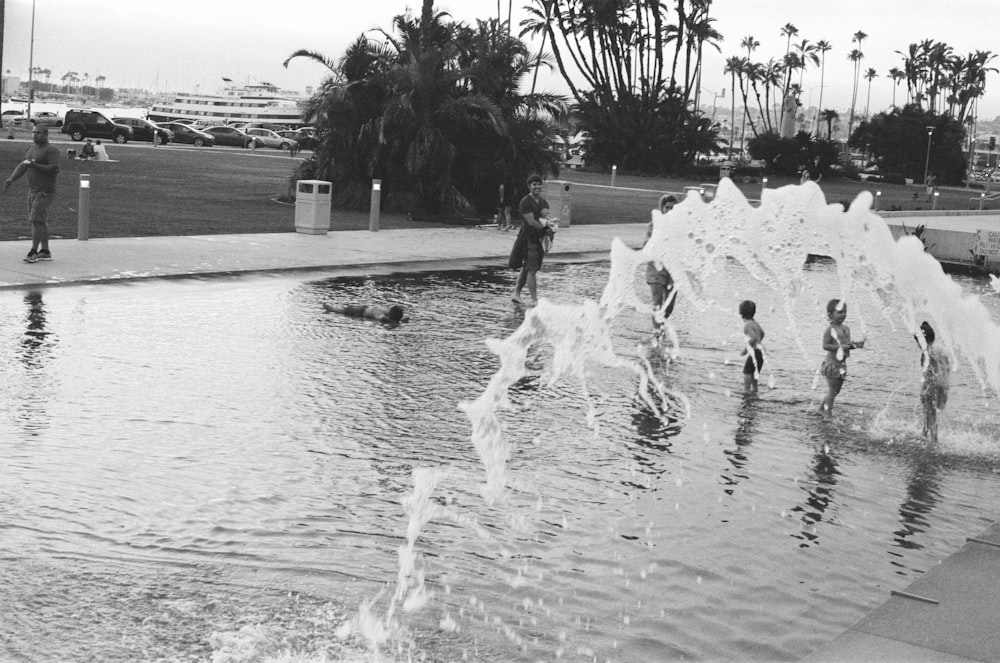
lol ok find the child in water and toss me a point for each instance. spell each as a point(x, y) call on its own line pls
point(754, 335)
point(934, 388)
point(379, 312)
point(838, 345)
point(659, 280)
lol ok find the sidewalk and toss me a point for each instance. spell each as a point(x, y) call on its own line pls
point(125, 258)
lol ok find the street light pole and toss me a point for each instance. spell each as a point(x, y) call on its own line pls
point(31, 66)
point(927, 164)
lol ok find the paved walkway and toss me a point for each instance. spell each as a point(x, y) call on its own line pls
point(951, 614)
point(115, 259)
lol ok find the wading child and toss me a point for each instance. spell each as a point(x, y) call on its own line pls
point(934, 388)
point(838, 345)
point(754, 336)
point(659, 280)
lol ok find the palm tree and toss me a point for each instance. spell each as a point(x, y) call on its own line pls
point(734, 67)
point(869, 76)
point(830, 115)
point(896, 74)
point(788, 31)
point(100, 80)
point(434, 111)
point(822, 46)
point(854, 56)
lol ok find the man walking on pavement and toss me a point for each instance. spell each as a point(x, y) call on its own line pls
point(41, 163)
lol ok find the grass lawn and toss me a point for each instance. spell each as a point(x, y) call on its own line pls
point(184, 190)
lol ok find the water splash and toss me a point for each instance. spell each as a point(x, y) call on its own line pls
point(773, 242)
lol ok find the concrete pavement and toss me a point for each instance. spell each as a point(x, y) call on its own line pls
point(127, 258)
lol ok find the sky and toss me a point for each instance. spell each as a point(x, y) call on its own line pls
point(190, 45)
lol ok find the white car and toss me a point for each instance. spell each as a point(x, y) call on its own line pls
point(268, 138)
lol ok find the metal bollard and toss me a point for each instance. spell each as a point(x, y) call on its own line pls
point(83, 207)
point(614, 171)
point(376, 205)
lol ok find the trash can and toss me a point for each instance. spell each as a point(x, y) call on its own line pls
point(559, 197)
point(726, 169)
point(312, 207)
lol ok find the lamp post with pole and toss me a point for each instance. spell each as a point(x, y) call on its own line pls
point(31, 66)
point(927, 164)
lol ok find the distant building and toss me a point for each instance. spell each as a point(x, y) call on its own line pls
point(10, 86)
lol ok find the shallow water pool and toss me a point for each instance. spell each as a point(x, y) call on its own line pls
point(214, 470)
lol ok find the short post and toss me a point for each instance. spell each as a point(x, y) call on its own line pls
point(763, 185)
point(614, 171)
point(982, 199)
point(375, 206)
point(934, 205)
point(83, 205)
point(878, 196)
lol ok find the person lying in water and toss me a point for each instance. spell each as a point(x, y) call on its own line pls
point(379, 312)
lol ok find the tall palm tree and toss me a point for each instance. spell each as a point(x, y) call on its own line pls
point(854, 56)
point(869, 76)
point(896, 74)
point(822, 46)
point(788, 31)
point(734, 67)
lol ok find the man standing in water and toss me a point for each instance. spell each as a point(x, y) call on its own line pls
point(41, 163)
point(527, 252)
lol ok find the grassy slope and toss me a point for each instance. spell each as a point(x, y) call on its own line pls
point(185, 190)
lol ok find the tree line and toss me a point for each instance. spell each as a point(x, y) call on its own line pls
point(444, 113)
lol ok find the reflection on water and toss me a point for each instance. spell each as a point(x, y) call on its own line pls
point(206, 468)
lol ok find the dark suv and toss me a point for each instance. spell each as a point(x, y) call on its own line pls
point(145, 130)
point(80, 124)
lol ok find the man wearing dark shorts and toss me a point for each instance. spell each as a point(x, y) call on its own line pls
point(41, 163)
point(527, 252)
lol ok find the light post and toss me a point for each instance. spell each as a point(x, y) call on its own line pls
point(31, 66)
point(927, 164)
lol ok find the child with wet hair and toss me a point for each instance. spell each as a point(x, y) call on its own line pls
point(390, 315)
point(838, 345)
point(754, 335)
point(936, 381)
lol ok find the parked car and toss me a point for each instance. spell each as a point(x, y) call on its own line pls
point(229, 136)
point(185, 133)
point(305, 140)
point(48, 118)
point(80, 124)
point(145, 130)
point(14, 117)
point(268, 138)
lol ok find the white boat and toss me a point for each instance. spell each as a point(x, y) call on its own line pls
point(263, 103)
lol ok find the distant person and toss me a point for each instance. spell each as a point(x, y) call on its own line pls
point(390, 315)
point(88, 150)
point(100, 152)
point(41, 163)
point(659, 280)
point(936, 380)
point(754, 335)
point(527, 253)
point(805, 176)
point(838, 345)
point(931, 185)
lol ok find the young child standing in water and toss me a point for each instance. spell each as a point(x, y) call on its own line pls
point(661, 284)
point(934, 389)
point(754, 335)
point(838, 345)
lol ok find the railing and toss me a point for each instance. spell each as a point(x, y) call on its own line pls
point(982, 199)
